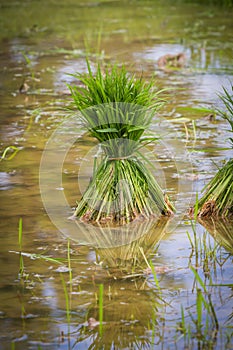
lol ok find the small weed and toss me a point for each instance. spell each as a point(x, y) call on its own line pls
point(20, 235)
point(29, 64)
point(69, 265)
point(204, 325)
point(6, 151)
point(101, 312)
point(155, 276)
point(67, 299)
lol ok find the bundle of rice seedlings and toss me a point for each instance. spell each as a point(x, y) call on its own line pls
point(116, 109)
point(217, 200)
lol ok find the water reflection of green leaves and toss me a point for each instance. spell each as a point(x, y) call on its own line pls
point(200, 325)
point(221, 230)
point(119, 319)
point(128, 260)
point(129, 320)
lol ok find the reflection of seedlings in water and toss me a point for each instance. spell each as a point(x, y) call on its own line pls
point(204, 251)
point(203, 248)
point(120, 319)
point(132, 260)
point(204, 325)
point(221, 230)
point(201, 325)
point(129, 320)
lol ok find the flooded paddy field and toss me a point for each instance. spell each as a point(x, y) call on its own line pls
point(154, 284)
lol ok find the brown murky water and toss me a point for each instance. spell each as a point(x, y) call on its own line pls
point(48, 306)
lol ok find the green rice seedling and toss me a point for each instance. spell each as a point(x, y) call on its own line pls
point(217, 200)
point(6, 150)
point(67, 299)
point(194, 241)
point(34, 256)
point(69, 265)
point(203, 302)
point(20, 234)
point(204, 324)
point(209, 256)
point(101, 312)
point(29, 64)
point(155, 276)
point(183, 324)
point(70, 274)
point(117, 109)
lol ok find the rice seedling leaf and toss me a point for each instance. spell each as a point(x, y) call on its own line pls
point(198, 278)
point(106, 130)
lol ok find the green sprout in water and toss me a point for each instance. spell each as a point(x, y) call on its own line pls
point(20, 234)
point(101, 295)
point(217, 200)
point(117, 109)
point(204, 325)
point(6, 151)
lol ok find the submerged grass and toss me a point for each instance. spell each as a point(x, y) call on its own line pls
point(217, 200)
point(117, 109)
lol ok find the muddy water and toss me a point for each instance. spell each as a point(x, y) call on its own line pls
point(40, 43)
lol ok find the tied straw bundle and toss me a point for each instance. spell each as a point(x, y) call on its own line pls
point(116, 109)
point(217, 200)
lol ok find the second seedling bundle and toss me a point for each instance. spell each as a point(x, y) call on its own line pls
point(117, 109)
point(217, 200)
